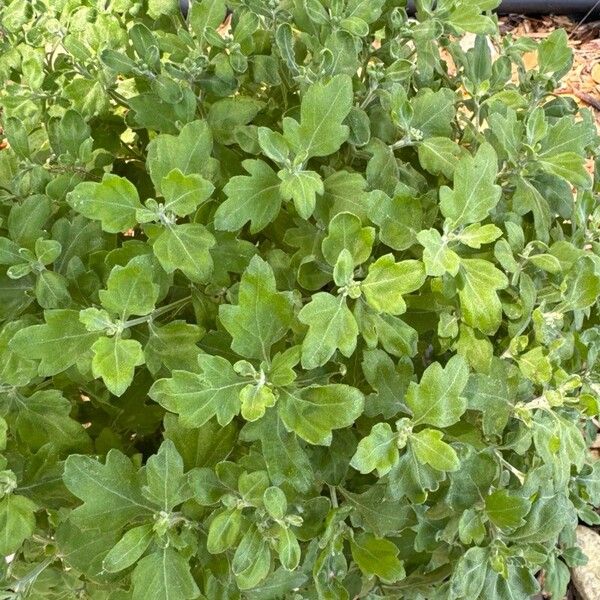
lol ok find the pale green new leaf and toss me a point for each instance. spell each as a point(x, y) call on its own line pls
point(347, 233)
point(130, 290)
point(302, 187)
point(582, 286)
point(431, 450)
point(184, 193)
point(399, 219)
point(505, 510)
point(377, 556)
point(388, 281)
point(378, 451)
point(437, 256)
point(189, 151)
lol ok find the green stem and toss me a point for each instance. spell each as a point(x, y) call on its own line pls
point(333, 495)
point(157, 313)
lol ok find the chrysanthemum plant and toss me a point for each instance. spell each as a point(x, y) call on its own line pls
point(297, 304)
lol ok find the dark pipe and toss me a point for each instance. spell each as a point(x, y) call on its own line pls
point(521, 7)
point(544, 7)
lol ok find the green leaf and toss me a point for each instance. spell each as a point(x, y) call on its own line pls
point(189, 151)
point(439, 156)
point(546, 519)
point(506, 511)
point(129, 549)
point(284, 456)
point(167, 485)
point(17, 520)
point(173, 346)
point(569, 166)
point(186, 247)
point(527, 198)
point(184, 193)
point(469, 576)
point(412, 478)
point(130, 290)
point(431, 450)
point(255, 198)
point(163, 575)
point(433, 112)
point(313, 412)
point(378, 451)
point(322, 112)
point(113, 202)
point(302, 187)
point(115, 360)
point(288, 549)
point(223, 530)
point(44, 418)
point(196, 398)
point(474, 194)
point(475, 235)
point(331, 326)
point(262, 315)
point(437, 399)
point(375, 512)
point(389, 380)
point(252, 559)
point(489, 394)
point(207, 13)
point(388, 281)
point(554, 54)
point(479, 281)
point(399, 219)
point(347, 233)
point(111, 492)
point(376, 556)
point(202, 446)
point(228, 113)
point(582, 286)
point(437, 256)
point(62, 330)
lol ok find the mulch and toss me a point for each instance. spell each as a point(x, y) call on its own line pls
point(583, 81)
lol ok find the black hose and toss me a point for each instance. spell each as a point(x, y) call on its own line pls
point(556, 7)
point(521, 7)
point(544, 7)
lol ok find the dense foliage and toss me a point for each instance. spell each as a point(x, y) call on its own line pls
point(304, 308)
